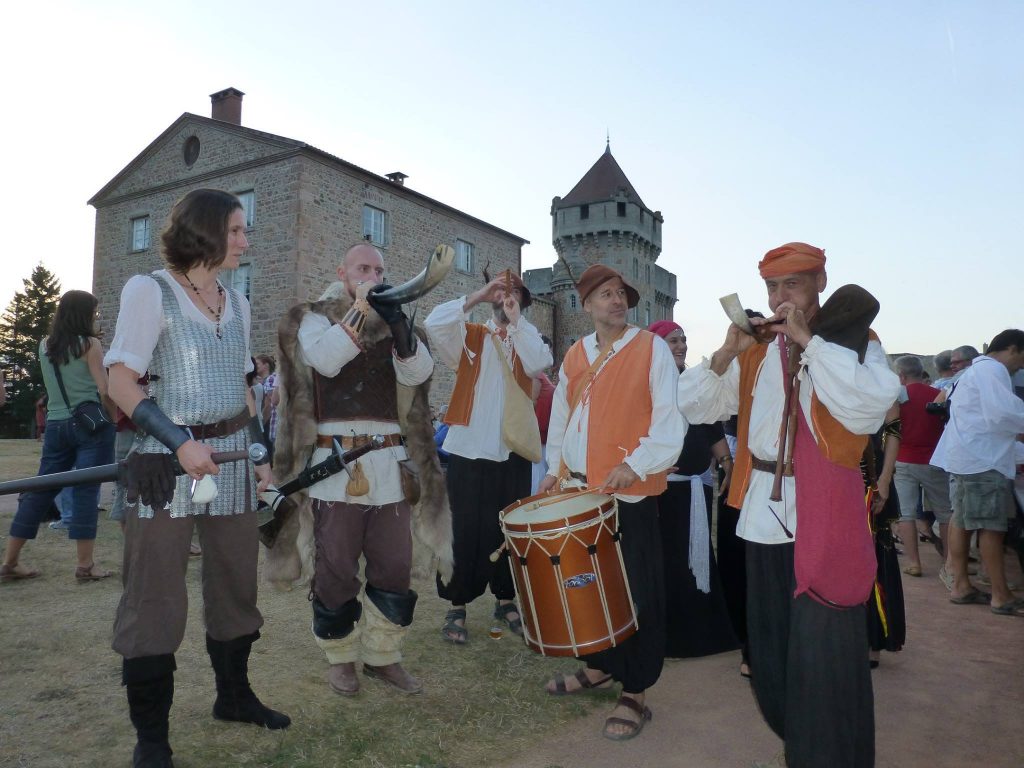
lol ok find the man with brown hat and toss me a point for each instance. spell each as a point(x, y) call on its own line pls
point(807, 587)
point(615, 426)
point(484, 475)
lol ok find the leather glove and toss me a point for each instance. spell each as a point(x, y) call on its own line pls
point(150, 477)
point(389, 313)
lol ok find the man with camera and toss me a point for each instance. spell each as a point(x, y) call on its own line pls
point(977, 449)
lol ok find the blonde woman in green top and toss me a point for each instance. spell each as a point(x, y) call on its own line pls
point(73, 346)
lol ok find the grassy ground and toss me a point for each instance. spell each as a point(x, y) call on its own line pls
point(61, 702)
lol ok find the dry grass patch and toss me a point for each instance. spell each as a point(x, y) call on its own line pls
point(19, 458)
point(61, 702)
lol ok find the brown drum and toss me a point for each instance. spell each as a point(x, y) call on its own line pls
point(564, 551)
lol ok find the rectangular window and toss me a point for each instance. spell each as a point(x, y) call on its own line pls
point(620, 208)
point(375, 225)
point(584, 211)
point(248, 199)
point(240, 279)
point(463, 256)
point(140, 233)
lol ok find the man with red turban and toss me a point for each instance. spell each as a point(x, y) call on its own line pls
point(807, 585)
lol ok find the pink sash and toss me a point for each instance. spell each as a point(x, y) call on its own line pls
point(834, 561)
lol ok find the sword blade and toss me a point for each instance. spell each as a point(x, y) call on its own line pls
point(277, 498)
point(332, 465)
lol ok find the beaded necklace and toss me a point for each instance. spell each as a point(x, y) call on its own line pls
point(220, 303)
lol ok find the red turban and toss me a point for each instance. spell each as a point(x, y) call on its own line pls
point(663, 328)
point(791, 258)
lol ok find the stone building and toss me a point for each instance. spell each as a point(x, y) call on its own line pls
point(603, 220)
point(304, 208)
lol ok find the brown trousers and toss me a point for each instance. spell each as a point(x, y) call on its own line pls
point(345, 531)
point(151, 616)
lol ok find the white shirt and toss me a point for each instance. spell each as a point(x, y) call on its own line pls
point(985, 417)
point(140, 320)
point(658, 449)
point(856, 394)
point(327, 348)
point(446, 329)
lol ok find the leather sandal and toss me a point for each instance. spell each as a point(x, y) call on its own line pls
point(452, 632)
point(581, 678)
point(89, 573)
point(17, 573)
point(634, 726)
point(501, 612)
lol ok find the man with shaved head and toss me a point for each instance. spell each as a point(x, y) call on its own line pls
point(344, 360)
point(807, 583)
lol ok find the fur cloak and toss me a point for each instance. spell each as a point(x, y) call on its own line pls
point(291, 558)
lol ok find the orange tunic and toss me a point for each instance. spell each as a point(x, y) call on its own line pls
point(620, 409)
point(461, 405)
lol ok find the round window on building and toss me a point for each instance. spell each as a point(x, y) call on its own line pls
point(191, 150)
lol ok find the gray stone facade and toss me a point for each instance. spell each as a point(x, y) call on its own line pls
point(307, 209)
point(603, 220)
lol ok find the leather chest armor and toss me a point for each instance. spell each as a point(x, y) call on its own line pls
point(365, 388)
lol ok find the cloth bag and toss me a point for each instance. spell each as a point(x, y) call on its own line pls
point(519, 427)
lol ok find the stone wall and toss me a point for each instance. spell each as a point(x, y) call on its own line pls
point(308, 210)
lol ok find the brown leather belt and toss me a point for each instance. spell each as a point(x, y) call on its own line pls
point(222, 428)
point(768, 466)
point(348, 442)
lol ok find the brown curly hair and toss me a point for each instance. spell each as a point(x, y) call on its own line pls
point(197, 230)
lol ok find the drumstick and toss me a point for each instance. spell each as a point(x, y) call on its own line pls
point(497, 553)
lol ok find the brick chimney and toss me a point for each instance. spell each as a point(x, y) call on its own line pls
point(227, 105)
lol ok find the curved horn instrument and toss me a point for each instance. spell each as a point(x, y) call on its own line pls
point(438, 265)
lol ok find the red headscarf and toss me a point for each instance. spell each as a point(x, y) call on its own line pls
point(663, 328)
point(791, 258)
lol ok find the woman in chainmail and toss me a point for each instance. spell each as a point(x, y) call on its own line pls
point(192, 334)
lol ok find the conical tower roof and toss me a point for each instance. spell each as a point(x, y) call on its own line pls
point(602, 182)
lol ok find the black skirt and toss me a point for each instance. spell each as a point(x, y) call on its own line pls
point(697, 624)
point(887, 619)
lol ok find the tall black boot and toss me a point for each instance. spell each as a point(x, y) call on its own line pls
point(149, 681)
point(235, 699)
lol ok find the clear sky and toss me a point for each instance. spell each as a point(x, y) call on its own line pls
point(889, 134)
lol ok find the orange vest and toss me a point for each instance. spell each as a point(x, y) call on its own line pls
point(620, 409)
point(836, 443)
point(461, 405)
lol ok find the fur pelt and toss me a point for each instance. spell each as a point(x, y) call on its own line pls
point(291, 558)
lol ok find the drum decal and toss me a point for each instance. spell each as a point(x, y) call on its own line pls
point(580, 580)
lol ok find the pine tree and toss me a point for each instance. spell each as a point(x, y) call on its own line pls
point(23, 325)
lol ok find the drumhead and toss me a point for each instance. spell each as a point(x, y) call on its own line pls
point(533, 513)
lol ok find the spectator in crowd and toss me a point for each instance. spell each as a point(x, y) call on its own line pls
point(978, 449)
point(71, 359)
point(943, 369)
point(961, 358)
point(920, 434)
point(41, 415)
point(271, 398)
point(440, 433)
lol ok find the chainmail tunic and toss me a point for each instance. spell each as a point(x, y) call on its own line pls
point(197, 378)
